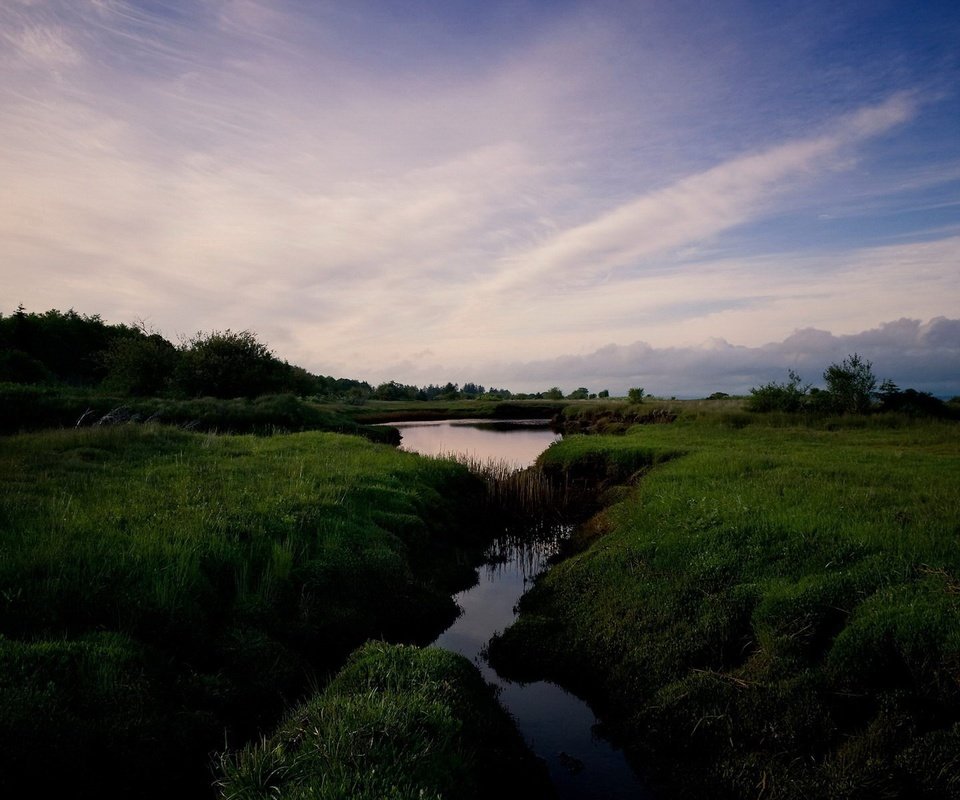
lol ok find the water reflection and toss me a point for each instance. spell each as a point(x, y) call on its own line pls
point(559, 727)
point(517, 442)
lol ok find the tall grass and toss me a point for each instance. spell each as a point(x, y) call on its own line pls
point(523, 494)
point(231, 571)
point(397, 722)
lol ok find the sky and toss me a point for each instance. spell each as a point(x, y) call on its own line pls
point(688, 196)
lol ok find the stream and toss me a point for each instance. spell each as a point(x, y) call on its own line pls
point(558, 726)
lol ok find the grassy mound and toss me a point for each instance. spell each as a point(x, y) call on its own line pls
point(776, 612)
point(397, 722)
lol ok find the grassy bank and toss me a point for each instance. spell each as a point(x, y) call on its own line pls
point(771, 611)
point(397, 722)
point(159, 589)
point(377, 411)
point(29, 408)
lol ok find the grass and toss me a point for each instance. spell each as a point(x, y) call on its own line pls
point(397, 722)
point(39, 407)
point(160, 587)
point(774, 609)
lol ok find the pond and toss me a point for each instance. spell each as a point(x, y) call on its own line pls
point(559, 727)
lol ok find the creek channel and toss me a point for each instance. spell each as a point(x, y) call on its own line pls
point(558, 726)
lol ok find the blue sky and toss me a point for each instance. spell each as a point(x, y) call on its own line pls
point(685, 196)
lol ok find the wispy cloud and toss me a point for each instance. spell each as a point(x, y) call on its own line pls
point(360, 186)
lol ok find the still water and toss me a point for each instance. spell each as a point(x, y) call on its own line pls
point(559, 727)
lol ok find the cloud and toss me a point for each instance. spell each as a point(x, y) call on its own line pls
point(922, 355)
point(360, 186)
point(693, 208)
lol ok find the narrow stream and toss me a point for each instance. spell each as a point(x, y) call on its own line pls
point(558, 726)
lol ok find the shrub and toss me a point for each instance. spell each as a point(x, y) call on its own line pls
point(773, 396)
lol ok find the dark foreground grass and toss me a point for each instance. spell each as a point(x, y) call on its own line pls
point(773, 611)
point(160, 590)
point(397, 722)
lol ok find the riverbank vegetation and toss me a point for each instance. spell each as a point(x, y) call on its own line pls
point(397, 722)
point(771, 611)
point(160, 589)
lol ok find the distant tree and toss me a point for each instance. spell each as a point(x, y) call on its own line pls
point(850, 384)
point(141, 364)
point(635, 395)
point(790, 396)
point(395, 391)
point(718, 396)
point(553, 393)
point(603, 393)
point(227, 364)
point(581, 393)
point(449, 391)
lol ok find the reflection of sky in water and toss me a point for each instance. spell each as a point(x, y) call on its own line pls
point(519, 446)
point(558, 726)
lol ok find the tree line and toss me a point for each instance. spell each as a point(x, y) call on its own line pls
point(80, 350)
point(84, 351)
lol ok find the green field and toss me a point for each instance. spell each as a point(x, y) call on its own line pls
point(771, 609)
point(160, 590)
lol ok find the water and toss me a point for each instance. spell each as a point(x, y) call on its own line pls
point(517, 442)
point(559, 727)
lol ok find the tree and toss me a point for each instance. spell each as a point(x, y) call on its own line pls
point(228, 364)
point(636, 394)
point(395, 391)
point(553, 393)
point(141, 364)
point(603, 393)
point(581, 393)
point(773, 396)
point(850, 384)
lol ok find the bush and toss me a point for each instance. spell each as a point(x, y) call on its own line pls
point(227, 364)
point(773, 396)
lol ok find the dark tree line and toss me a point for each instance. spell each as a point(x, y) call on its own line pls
point(72, 349)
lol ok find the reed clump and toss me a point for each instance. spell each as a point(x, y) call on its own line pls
point(516, 494)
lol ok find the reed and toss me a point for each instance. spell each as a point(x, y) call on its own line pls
point(525, 495)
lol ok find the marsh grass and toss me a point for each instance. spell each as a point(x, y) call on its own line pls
point(397, 722)
point(521, 495)
point(231, 571)
point(771, 606)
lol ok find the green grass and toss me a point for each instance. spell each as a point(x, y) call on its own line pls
point(774, 609)
point(175, 586)
point(39, 407)
point(397, 722)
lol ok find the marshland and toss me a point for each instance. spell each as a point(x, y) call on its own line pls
point(756, 596)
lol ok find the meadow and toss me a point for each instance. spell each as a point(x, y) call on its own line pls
point(165, 595)
point(766, 606)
